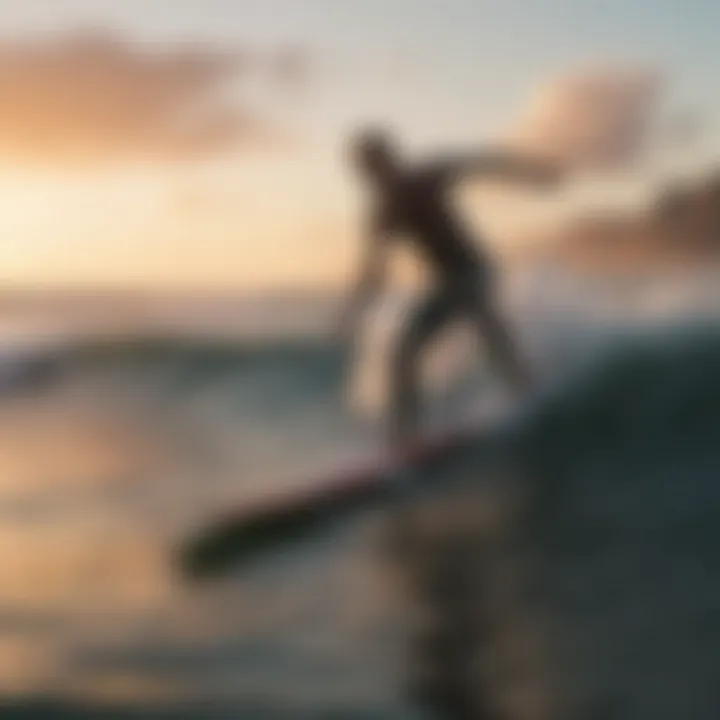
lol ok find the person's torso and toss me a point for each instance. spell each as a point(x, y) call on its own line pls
point(418, 208)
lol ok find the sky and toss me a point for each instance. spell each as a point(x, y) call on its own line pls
point(115, 169)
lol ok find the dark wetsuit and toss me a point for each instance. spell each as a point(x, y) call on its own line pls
point(417, 203)
point(417, 206)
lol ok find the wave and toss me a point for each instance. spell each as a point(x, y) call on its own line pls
point(650, 393)
point(594, 594)
point(581, 577)
point(314, 365)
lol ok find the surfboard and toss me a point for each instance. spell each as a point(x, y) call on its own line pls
point(282, 517)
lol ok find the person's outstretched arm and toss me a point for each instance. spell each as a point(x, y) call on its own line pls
point(504, 164)
point(369, 282)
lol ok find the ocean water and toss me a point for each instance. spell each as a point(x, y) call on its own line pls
point(125, 425)
point(569, 569)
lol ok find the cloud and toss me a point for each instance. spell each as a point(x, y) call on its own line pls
point(681, 225)
point(92, 98)
point(592, 119)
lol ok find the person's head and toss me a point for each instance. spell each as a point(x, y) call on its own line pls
point(373, 153)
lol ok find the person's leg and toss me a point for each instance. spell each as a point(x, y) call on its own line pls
point(423, 325)
point(495, 332)
point(503, 350)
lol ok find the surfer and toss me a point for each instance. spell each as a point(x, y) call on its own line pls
point(415, 202)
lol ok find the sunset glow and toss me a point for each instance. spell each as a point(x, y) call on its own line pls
point(205, 147)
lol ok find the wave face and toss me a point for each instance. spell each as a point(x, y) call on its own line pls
point(584, 582)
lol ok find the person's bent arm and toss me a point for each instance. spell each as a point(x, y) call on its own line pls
point(369, 283)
